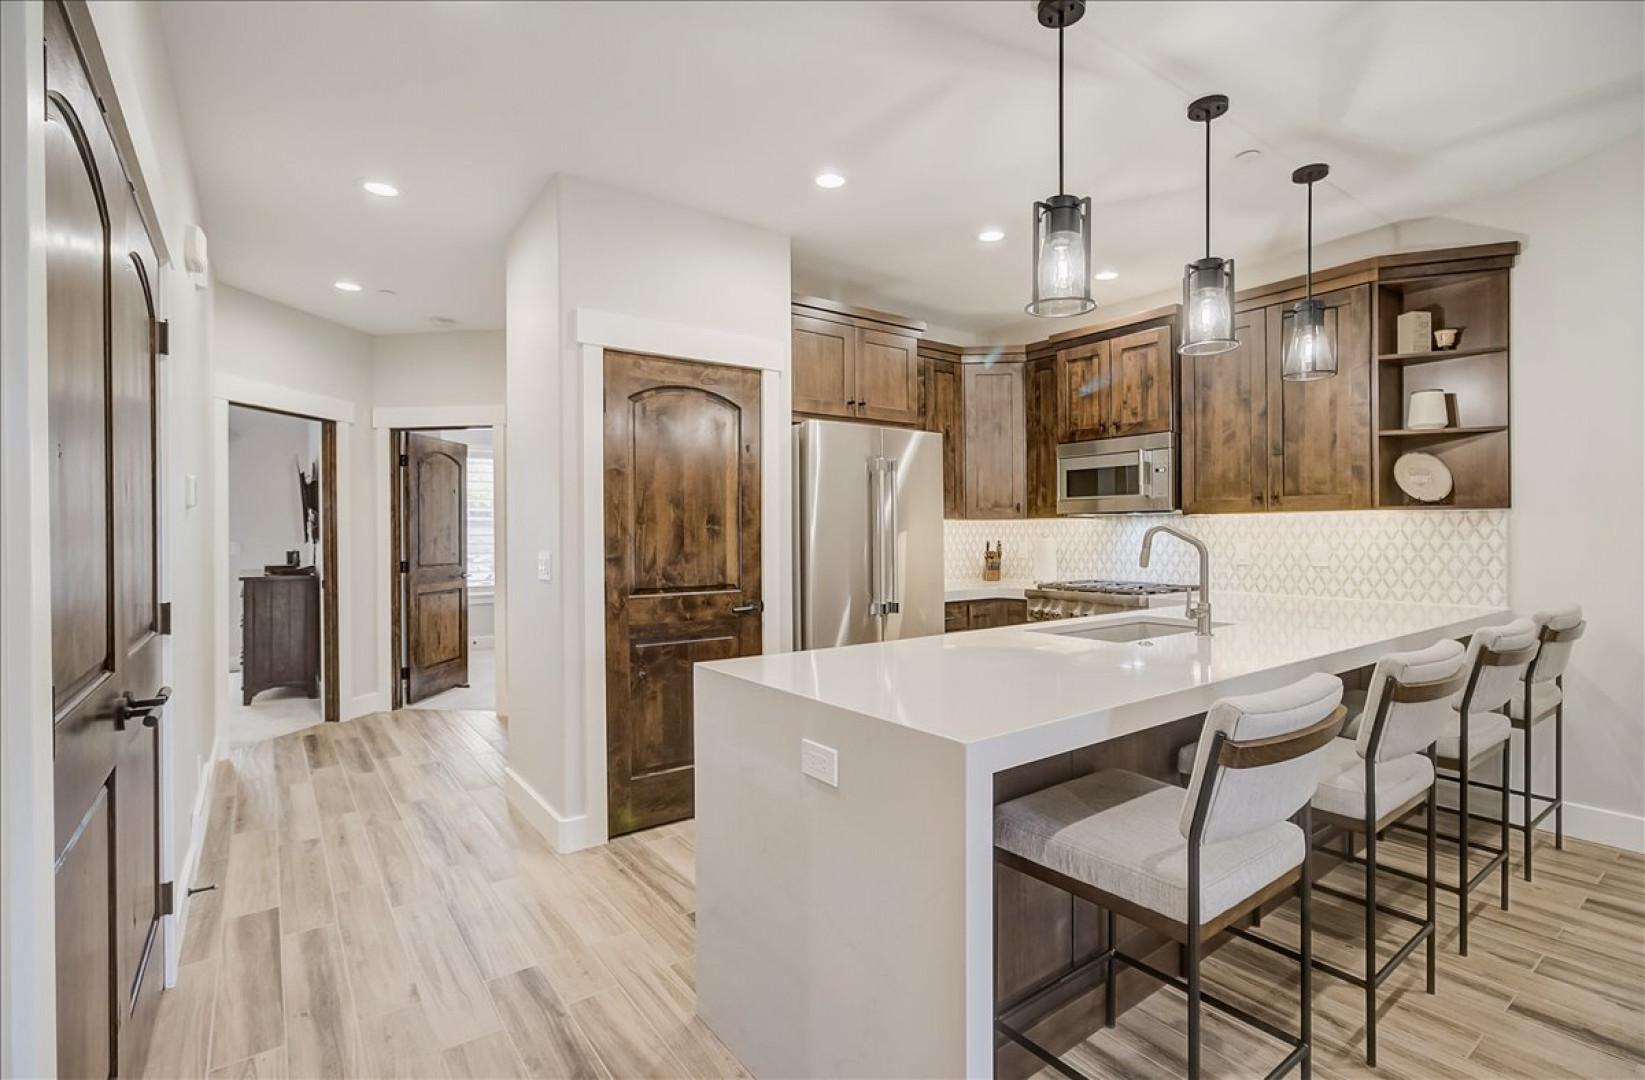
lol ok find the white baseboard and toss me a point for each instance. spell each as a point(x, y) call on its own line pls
point(483, 641)
point(365, 705)
point(564, 834)
point(178, 922)
point(1596, 824)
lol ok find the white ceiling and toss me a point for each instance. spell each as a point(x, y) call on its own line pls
point(940, 114)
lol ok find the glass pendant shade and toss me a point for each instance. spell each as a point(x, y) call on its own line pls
point(1208, 307)
point(1308, 352)
point(1062, 257)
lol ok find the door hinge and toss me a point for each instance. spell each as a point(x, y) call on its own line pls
point(162, 337)
point(405, 672)
point(405, 566)
point(404, 461)
point(165, 617)
point(168, 898)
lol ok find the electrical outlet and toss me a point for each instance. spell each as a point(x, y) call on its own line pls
point(1319, 554)
point(820, 762)
point(545, 566)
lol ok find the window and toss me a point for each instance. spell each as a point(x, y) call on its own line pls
point(482, 519)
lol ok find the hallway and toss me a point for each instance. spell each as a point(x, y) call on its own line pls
point(378, 912)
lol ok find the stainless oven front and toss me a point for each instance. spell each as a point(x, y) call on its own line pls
point(1132, 475)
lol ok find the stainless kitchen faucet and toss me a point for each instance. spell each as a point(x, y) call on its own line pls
point(1200, 612)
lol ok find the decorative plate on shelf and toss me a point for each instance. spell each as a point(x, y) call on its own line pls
point(1423, 477)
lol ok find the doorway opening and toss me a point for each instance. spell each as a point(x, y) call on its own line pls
point(283, 573)
point(443, 555)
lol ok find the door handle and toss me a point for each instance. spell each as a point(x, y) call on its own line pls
point(145, 709)
point(749, 608)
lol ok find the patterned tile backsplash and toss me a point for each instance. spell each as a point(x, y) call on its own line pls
point(1439, 556)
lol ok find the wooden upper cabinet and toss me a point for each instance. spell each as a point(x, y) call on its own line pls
point(1319, 432)
point(825, 362)
point(1041, 396)
point(1138, 377)
point(996, 440)
point(887, 377)
point(942, 409)
point(1225, 423)
point(1082, 392)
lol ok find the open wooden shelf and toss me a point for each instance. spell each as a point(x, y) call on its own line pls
point(1436, 355)
point(1428, 433)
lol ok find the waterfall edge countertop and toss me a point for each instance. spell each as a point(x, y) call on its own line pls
point(995, 685)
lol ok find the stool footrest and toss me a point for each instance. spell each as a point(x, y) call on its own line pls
point(1228, 1007)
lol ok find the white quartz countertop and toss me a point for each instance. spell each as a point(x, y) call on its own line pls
point(1038, 689)
point(985, 590)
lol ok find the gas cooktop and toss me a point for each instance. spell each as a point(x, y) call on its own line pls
point(1119, 588)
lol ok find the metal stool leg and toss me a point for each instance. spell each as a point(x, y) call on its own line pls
point(1307, 942)
point(1433, 884)
point(1109, 1008)
point(1529, 726)
point(1559, 773)
point(1507, 830)
point(1370, 926)
point(1462, 846)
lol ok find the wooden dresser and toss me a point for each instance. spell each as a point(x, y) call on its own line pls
point(280, 633)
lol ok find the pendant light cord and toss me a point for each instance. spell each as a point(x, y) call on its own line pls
point(1207, 188)
point(1308, 278)
point(1061, 188)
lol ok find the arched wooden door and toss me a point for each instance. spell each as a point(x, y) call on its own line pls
point(434, 568)
point(107, 701)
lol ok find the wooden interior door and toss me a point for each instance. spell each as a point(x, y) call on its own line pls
point(1319, 432)
point(434, 564)
point(825, 362)
point(944, 410)
point(105, 629)
point(1082, 392)
point(682, 565)
point(888, 377)
point(1225, 423)
point(1139, 383)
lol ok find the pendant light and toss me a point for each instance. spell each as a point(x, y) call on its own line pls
point(1308, 352)
point(1062, 223)
point(1208, 283)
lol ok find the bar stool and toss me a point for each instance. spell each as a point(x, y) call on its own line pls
point(1188, 864)
point(1377, 777)
point(1497, 659)
point(1543, 695)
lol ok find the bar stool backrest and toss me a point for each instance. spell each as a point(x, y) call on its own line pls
point(1497, 659)
point(1250, 788)
point(1558, 631)
point(1415, 689)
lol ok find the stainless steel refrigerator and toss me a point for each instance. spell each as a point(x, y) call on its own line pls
point(867, 533)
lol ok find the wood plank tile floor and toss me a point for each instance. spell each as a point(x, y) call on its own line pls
point(379, 911)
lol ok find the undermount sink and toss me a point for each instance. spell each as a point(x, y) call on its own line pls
point(1127, 631)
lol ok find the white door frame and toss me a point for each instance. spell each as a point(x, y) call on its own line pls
point(384, 420)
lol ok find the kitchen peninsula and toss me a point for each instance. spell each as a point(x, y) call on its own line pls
point(848, 928)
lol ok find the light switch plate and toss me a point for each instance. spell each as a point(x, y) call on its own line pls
point(191, 491)
point(820, 762)
point(545, 566)
point(1319, 554)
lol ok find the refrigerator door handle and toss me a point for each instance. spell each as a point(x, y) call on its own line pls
point(876, 547)
point(891, 602)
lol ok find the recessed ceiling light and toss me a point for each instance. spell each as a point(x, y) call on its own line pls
point(347, 286)
point(388, 292)
point(1248, 156)
point(442, 320)
point(830, 180)
point(1106, 275)
point(380, 187)
point(991, 235)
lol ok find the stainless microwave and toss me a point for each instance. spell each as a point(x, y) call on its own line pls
point(1133, 475)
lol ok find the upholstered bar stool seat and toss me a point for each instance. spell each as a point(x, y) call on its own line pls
point(1120, 833)
point(1545, 696)
point(1486, 732)
point(1342, 785)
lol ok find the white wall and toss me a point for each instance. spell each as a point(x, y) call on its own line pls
point(677, 275)
point(265, 498)
point(261, 343)
point(455, 367)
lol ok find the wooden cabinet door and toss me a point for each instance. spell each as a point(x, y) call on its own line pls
point(956, 616)
point(988, 613)
point(825, 362)
point(942, 408)
point(434, 594)
point(1225, 424)
point(1082, 392)
point(1319, 432)
point(996, 441)
point(887, 380)
point(1041, 394)
point(1138, 378)
point(682, 565)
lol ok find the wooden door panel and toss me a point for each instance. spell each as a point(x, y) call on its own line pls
point(944, 413)
point(135, 419)
point(436, 588)
point(685, 491)
point(824, 361)
point(682, 551)
point(1139, 383)
point(888, 377)
point(1320, 431)
point(86, 996)
point(1225, 424)
point(1082, 392)
point(996, 441)
point(1041, 394)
